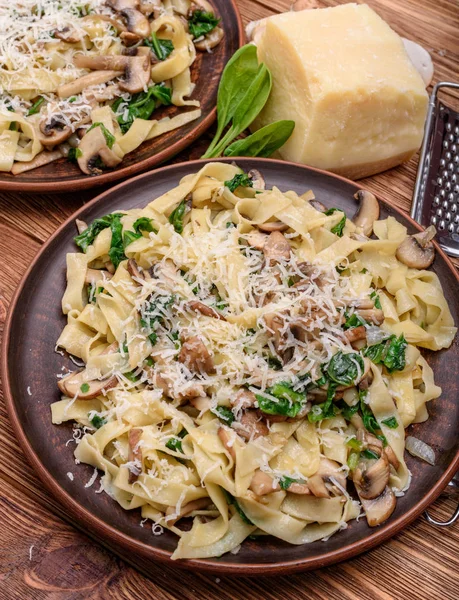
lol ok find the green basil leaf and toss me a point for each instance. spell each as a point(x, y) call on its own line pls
point(263, 142)
point(236, 78)
point(239, 180)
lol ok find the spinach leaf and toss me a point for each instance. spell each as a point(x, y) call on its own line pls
point(87, 237)
point(369, 421)
point(231, 500)
point(286, 482)
point(142, 224)
point(116, 252)
point(177, 215)
point(175, 443)
point(248, 108)
point(13, 126)
point(74, 154)
point(239, 180)
point(97, 421)
point(374, 296)
point(225, 414)
point(326, 410)
point(346, 410)
point(149, 321)
point(141, 105)
point(343, 369)
point(35, 108)
point(289, 402)
point(202, 23)
point(391, 422)
point(161, 48)
point(354, 321)
point(236, 78)
point(130, 375)
point(263, 142)
point(338, 228)
point(109, 138)
point(391, 353)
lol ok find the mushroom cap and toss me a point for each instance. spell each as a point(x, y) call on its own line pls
point(93, 145)
point(211, 40)
point(204, 309)
point(277, 247)
point(137, 74)
point(271, 226)
point(195, 356)
point(134, 270)
point(417, 251)
point(367, 213)
point(53, 133)
point(251, 426)
point(227, 440)
point(371, 477)
point(317, 487)
point(379, 509)
point(262, 483)
point(137, 22)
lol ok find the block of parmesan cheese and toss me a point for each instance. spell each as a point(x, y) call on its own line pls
point(343, 75)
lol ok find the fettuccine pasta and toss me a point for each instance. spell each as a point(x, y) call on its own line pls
point(250, 358)
point(65, 65)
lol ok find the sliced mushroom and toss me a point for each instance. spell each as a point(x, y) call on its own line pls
point(119, 5)
point(227, 441)
point(277, 248)
point(204, 309)
point(202, 404)
point(134, 454)
point(110, 267)
point(95, 275)
point(263, 484)
point(317, 487)
point(258, 181)
point(120, 27)
point(67, 34)
point(355, 334)
point(137, 22)
point(371, 315)
point(371, 477)
point(330, 469)
point(211, 40)
point(244, 399)
point(135, 271)
point(257, 240)
point(417, 251)
point(251, 426)
point(151, 8)
point(272, 226)
point(53, 132)
point(380, 509)
point(93, 147)
point(116, 62)
point(364, 303)
point(137, 75)
point(172, 517)
point(275, 324)
point(318, 206)
point(367, 213)
point(391, 457)
point(192, 392)
point(195, 356)
point(302, 489)
point(76, 385)
point(83, 83)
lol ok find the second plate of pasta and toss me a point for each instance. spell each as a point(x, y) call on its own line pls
point(254, 342)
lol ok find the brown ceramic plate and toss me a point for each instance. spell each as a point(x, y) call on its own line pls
point(62, 175)
point(35, 322)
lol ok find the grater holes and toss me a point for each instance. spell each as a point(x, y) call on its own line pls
point(436, 201)
point(442, 225)
point(448, 217)
point(439, 212)
point(433, 220)
point(451, 227)
point(445, 204)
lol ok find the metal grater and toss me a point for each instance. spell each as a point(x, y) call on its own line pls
point(436, 194)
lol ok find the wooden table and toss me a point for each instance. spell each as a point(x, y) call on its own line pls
point(43, 557)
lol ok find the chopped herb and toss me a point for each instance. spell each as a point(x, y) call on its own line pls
point(175, 443)
point(369, 454)
point(202, 23)
point(87, 237)
point(13, 126)
point(149, 322)
point(354, 321)
point(353, 460)
point(149, 362)
point(132, 377)
point(274, 363)
point(354, 444)
point(239, 180)
point(74, 154)
point(97, 421)
point(84, 387)
point(161, 48)
point(109, 137)
point(230, 224)
point(344, 369)
point(177, 215)
point(72, 99)
point(392, 423)
point(224, 413)
point(338, 228)
point(374, 296)
point(289, 402)
point(364, 270)
point(231, 500)
point(35, 108)
point(286, 482)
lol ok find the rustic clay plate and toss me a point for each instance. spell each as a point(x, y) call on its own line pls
point(29, 362)
point(62, 175)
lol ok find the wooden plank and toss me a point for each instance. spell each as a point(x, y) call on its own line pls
point(43, 557)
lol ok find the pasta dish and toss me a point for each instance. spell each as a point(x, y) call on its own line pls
point(251, 359)
point(83, 80)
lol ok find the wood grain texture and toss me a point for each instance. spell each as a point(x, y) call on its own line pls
point(43, 557)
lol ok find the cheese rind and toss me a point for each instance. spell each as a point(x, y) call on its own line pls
point(343, 75)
